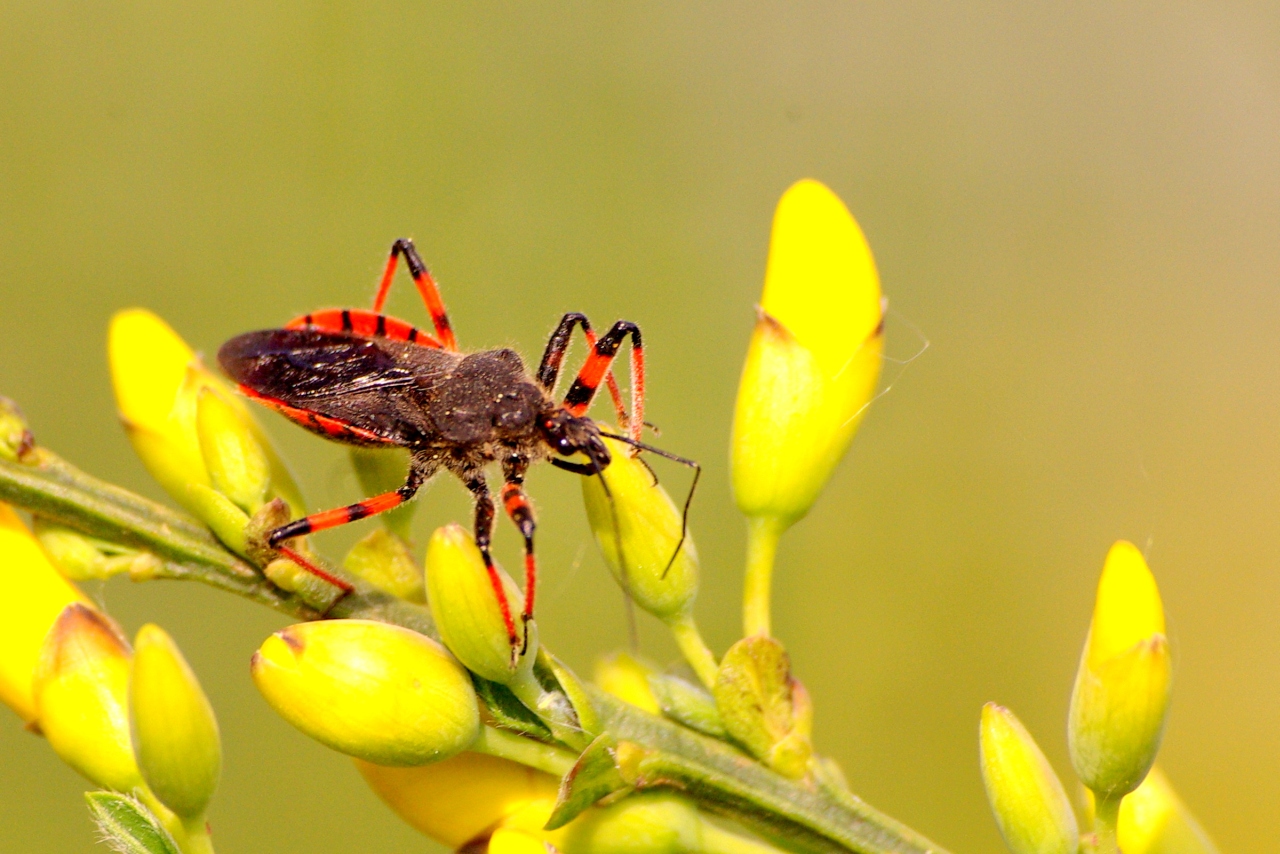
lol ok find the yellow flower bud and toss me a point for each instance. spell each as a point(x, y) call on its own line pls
point(371, 690)
point(466, 610)
point(1154, 820)
point(1027, 798)
point(237, 464)
point(175, 732)
point(505, 841)
point(158, 383)
point(26, 576)
point(627, 679)
point(81, 692)
point(1122, 687)
point(814, 358)
point(638, 517)
point(383, 559)
point(461, 798)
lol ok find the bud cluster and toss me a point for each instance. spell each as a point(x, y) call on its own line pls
point(1116, 721)
point(466, 725)
point(131, 720)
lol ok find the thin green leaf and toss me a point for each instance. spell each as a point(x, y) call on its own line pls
point(127, 826)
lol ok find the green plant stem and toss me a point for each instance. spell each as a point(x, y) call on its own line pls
point(1106, 816)
point(198, 840)
point(51, 488)
point(507, 745)
point(763, 533)
point(795, 815)
point(695, 649)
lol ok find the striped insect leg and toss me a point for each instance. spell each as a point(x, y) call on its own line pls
point(426, 287)
point(363, 322)
point(553, 357)
point(516, 503)
point(419, 471)
point(310, 567)
point(597, 367)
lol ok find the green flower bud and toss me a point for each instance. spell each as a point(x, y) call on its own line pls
point(78, 557)
point(371, 690)
point(237, 464)
point(15, 437)
point(1027, 798)
point(81, 695)
point(1122, 688)
point(466, 611)
point(638, 528)
point(175, 733)
point(642, 823)
point(383, 559)
point(813, 361)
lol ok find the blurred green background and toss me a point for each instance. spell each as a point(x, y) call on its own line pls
point(1078, 207)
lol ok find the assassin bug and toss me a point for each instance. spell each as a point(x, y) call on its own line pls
point(364, 378)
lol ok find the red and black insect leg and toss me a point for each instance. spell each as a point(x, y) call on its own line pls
point(597, 366)
point(553, 357)
point(516, 503)
point(426, 286)
point(418, 474)
point(363, 322)
point(483, 534)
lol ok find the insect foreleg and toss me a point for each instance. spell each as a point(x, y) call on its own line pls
point(553, 357)
point(599, 364)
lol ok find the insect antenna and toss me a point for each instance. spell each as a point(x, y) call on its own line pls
point(633, 630)
point(688, 499)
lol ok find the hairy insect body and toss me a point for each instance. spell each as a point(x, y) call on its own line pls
point(364, 378)
point(452, 410)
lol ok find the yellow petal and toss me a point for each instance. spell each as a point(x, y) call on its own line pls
point(81, 692)
point(458, 799)
point(1128, 609)
point(26, 576)
point(821, 281)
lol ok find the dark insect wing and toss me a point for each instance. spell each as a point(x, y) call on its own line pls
point(301, 364)
point(342, 386)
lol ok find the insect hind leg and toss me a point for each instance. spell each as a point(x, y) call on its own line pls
point(426, 287)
